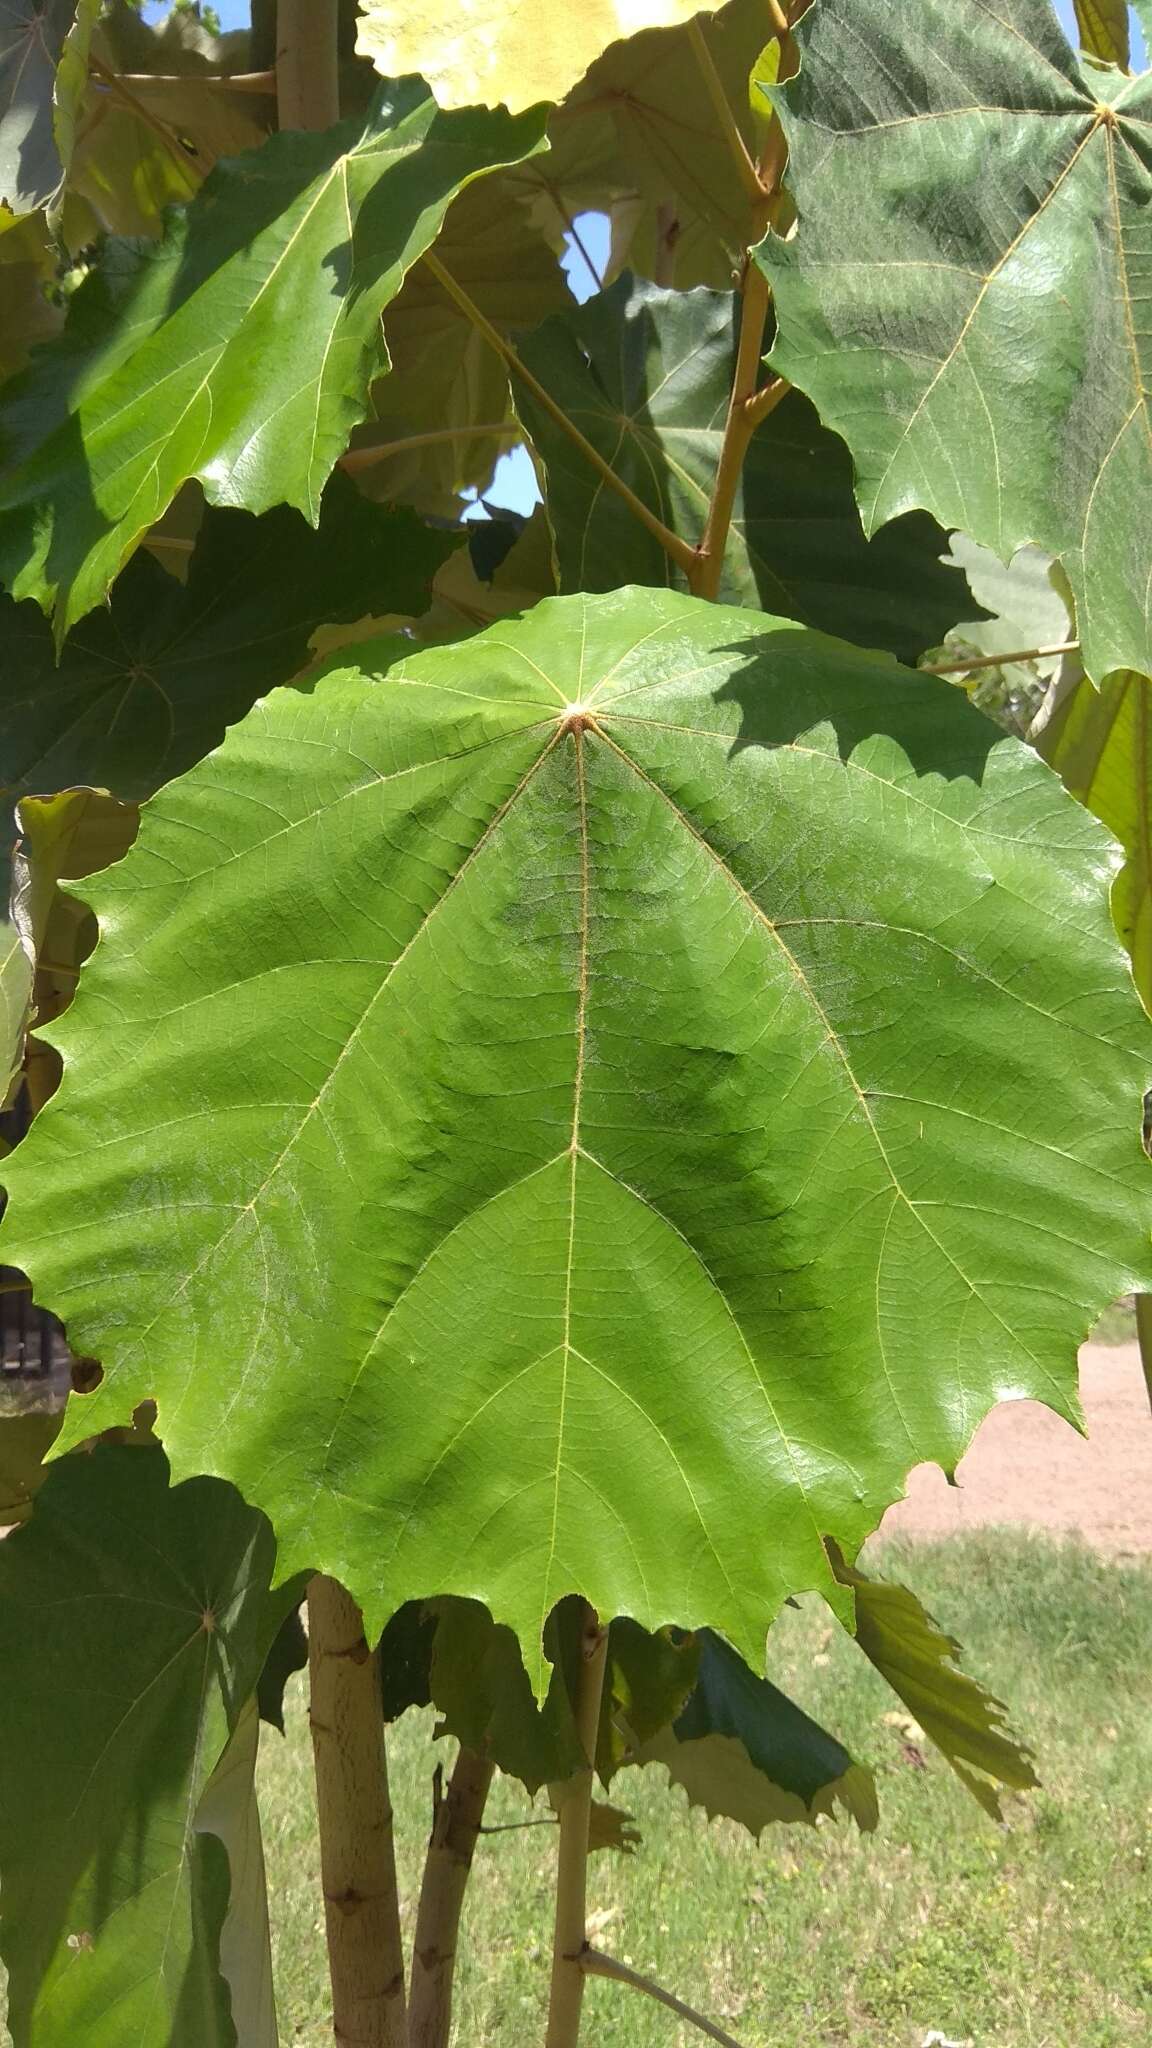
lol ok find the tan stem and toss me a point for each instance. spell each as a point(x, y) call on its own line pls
point(974, 661)
point(669, 541)
point(307, 77)
point(708, 560)
point(357, 1858)
point(1144, 1336)
point(448, 1864)
point(598, 1965)
point(222, 81)
point(722, 107)
point(570, 1936)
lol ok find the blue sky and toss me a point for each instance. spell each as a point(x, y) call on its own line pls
point(514, 483)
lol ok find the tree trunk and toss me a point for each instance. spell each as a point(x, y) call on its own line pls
point(357, 1860)
point(570, 1937)
point(307, 79)
point(455, 1827)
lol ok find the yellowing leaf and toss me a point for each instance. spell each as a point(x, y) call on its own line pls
point(486, 53)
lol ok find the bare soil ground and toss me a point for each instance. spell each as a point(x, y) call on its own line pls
point(1029, 1469)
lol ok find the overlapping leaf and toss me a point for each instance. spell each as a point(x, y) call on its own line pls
point(646, 375)
point(743, 1750)
point(1100, 743)
point(446, 379)
point(133, 1621)
point(32, 35)
point(285, 260)
point(144, 687)
point(502, 56)
point(1103, 26)
point(987, 359)
point(922, 1665)
point(639, 139)
point(648, 1111)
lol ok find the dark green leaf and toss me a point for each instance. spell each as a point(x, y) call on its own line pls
point(646, 375)
point(32, 35)
point(964, 299)
point(146, 686)
point(1100, 743)
point(288, 1654)
point(287, 258)
point(645, 1110)
point(134, 1621)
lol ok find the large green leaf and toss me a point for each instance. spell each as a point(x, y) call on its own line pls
point(646, 1102)
point(147, 684)
point(742, 1749)
point(133, 1623)
point(922, 1665)
point(964, 300)
point(1100, 743)
point(646, 375)
point(286, 258)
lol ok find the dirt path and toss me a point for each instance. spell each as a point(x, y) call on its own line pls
point(1026, 1466)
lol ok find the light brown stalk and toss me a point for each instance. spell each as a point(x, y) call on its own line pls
point(357, 1857)
point(678, 549)
point(219, 81)
point(307, 76)
point(722, 107)
point(975, 661)
point(598, 1965)
point(746, 408)
point(456, 1819)
point(570, 1939)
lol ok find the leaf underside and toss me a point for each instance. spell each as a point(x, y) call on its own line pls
point(991, 360)
point(651, 1113)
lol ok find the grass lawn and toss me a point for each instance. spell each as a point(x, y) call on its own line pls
point(1034, 1935)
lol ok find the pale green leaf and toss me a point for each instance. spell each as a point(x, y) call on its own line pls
point(498, 55)
point(965, 297)
point(228, 1810)
point(646, 375)
point(133, 1623)
point(647, 1111)
point(1100, 743)
point(1103, 26)
point(287, 257)
point(921, 1664)
point(65, 835)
